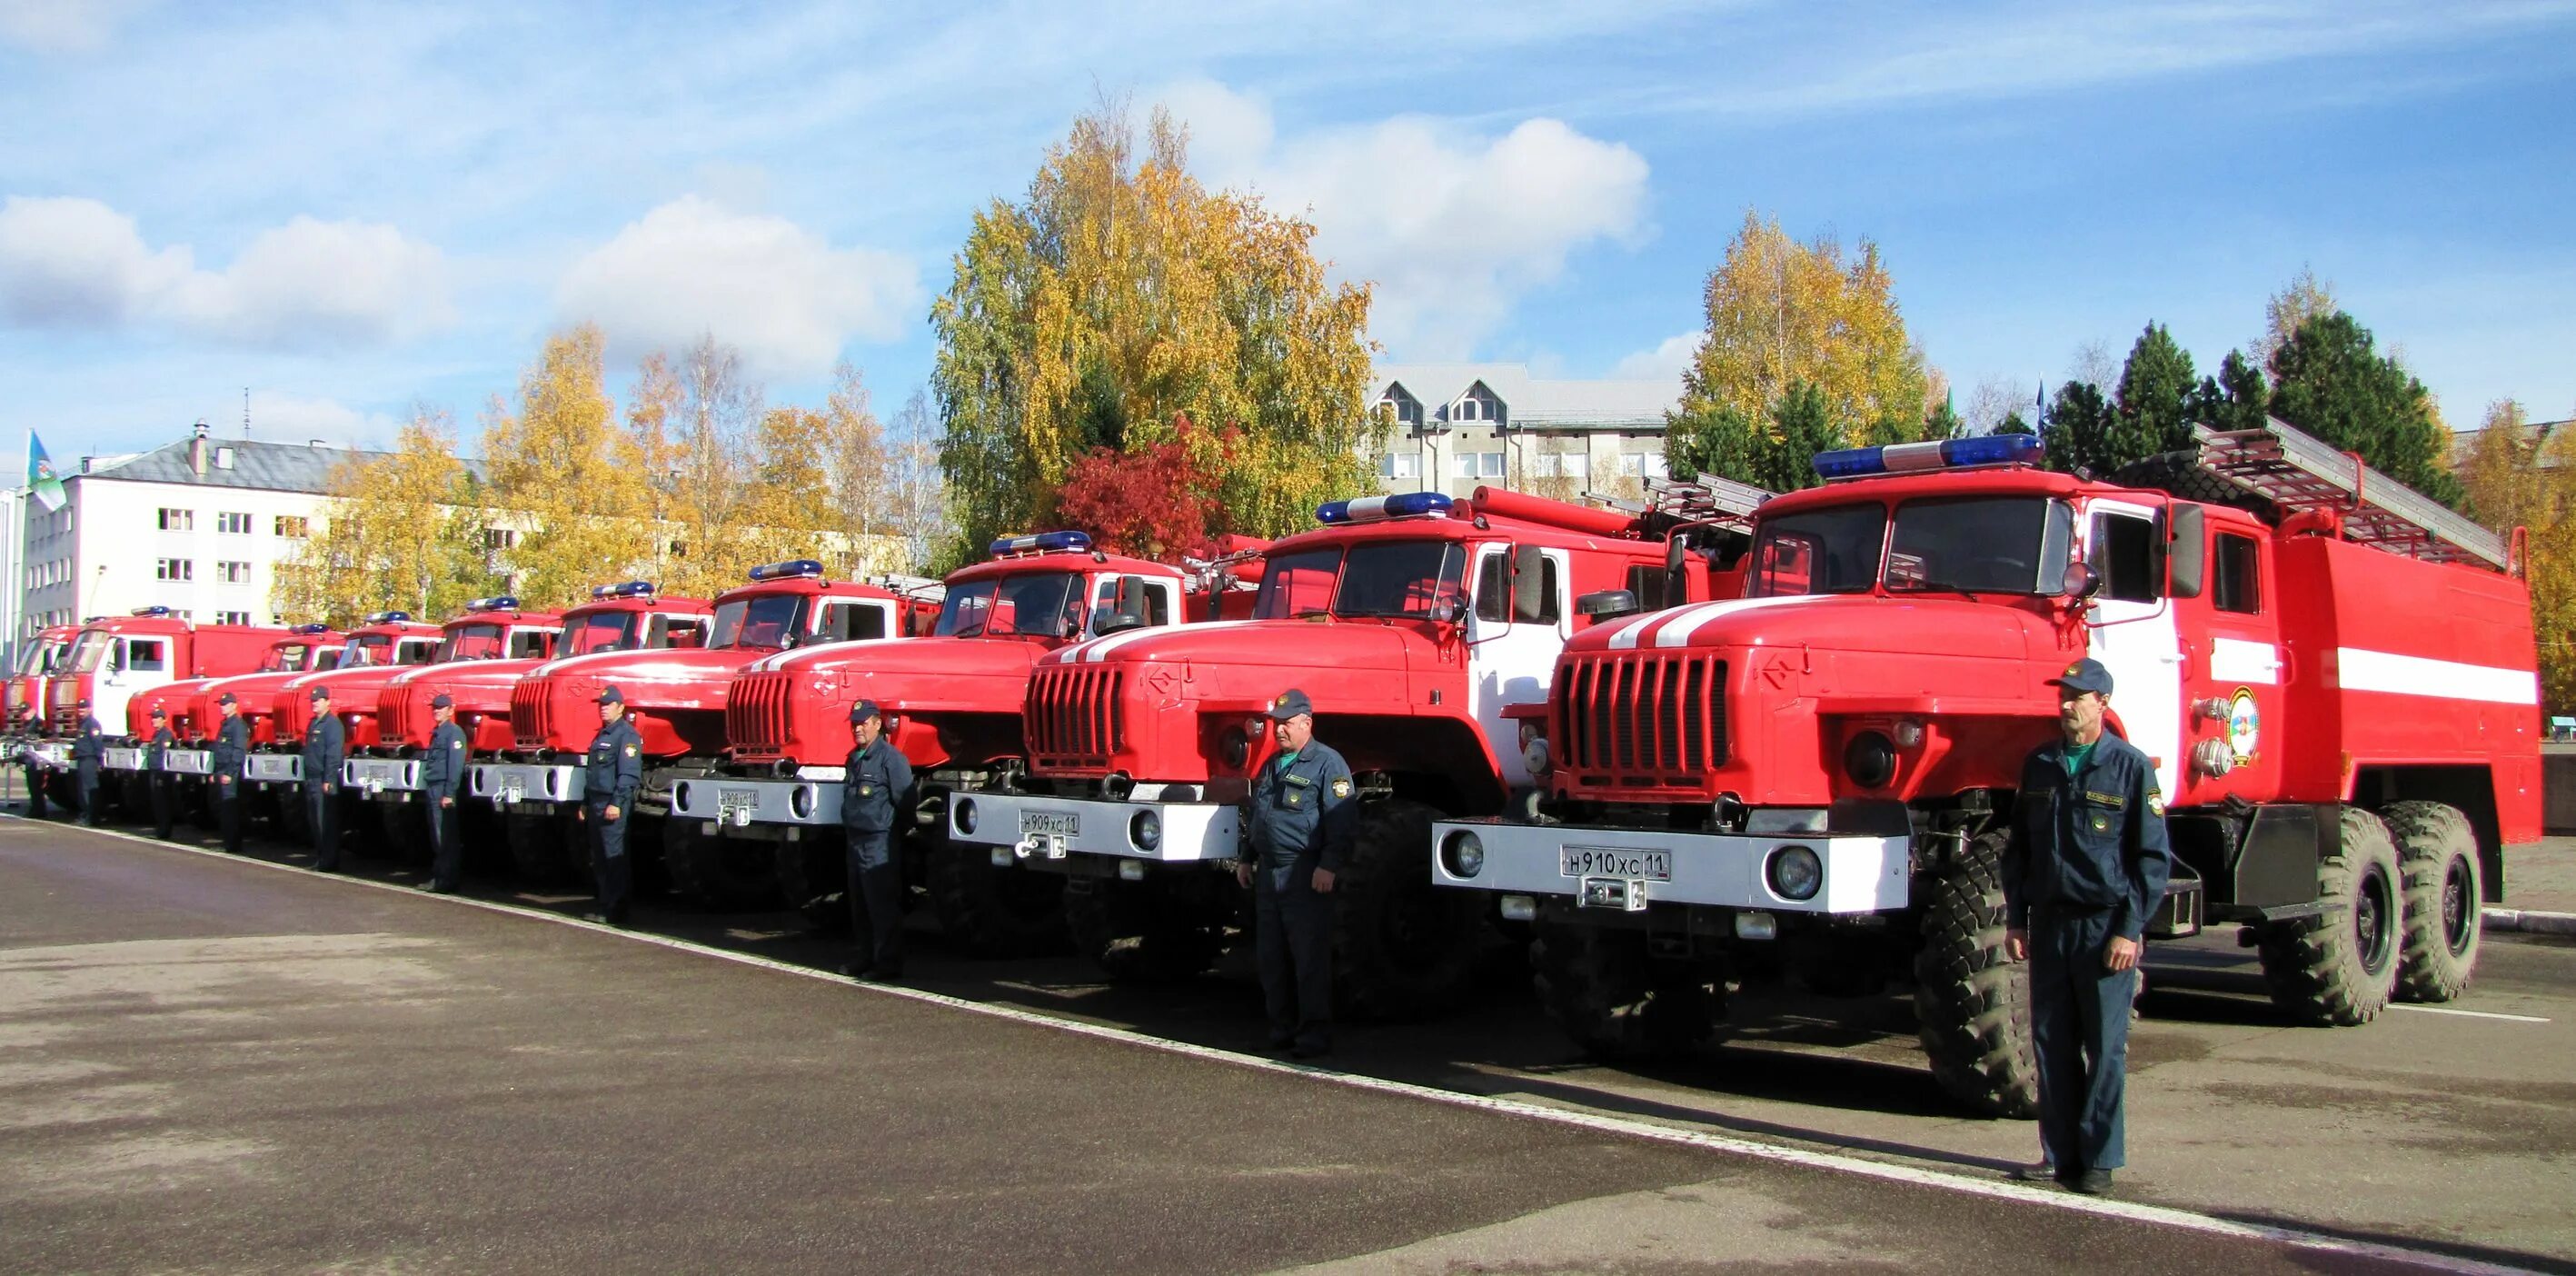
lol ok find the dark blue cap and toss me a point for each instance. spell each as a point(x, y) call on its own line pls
point(1289, 704)
point(2084, 675)
point(611, 696)
point(863, 710)
point(442, 701)
point(159, 712)
point(321, 691)
point(225, 698)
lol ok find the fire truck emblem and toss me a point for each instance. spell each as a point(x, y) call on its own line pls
point(2244, 725)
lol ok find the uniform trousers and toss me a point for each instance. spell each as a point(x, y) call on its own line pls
point(446, 847)
point(609, 863)
point(228, 813)
point(91, 811)
point(2079, 1026)
point(1293, 929)
point(164, 801)
point(876, 902)
point(322, 820)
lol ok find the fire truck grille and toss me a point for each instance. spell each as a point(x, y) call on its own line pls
point(291, 713)
point(531, 712)
point(757, 721)
point(1644, 719)
point(400, 711)
point(1075, 718)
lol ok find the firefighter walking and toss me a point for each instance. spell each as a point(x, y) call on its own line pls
point(2084, 869)
point(156, 761)
point(442, 772)
point(232, 753)
point(325, 748)
point(609, 779)
point(1299, 823)
point(876, 788)
point(89, 748)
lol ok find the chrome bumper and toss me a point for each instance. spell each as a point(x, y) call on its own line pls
point(1022, 826)
point(274, 768)
point(124, 757)
point(188, 761)
point(376, 777)
point(1626, 869)
point(812, 798)
point(513, 783)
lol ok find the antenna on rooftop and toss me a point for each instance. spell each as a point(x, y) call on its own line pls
point(245, 412)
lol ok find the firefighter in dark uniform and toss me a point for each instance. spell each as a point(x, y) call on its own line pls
point(36, 776)
point(609, 779)
point(326, 746)
point(1298, 823)
point(2084, 869)
point(89, 748)
point(876, 790)
point(442, 774)
point(232, 752)
point(155, 758)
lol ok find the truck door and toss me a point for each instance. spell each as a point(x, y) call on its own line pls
point(1514, 635)
point(2236, 674)
point(2131, 629)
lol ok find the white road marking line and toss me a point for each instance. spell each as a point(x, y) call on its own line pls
point(2469, 1014)
point(1991, 1188)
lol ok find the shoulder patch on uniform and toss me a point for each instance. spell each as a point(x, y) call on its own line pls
point(630, 750)
point(2155, 802)
point(1342, 787)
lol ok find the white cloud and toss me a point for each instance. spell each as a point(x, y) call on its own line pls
point(1670, 358)
point(780, 293)
point(1454, 226)
point(69, 262)
point(292, 418)
point(63, 26)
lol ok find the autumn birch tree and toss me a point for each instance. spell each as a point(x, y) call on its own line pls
point(403, 530)
point(574, 486)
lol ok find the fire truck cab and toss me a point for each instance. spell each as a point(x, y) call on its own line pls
point(190, 706)
point(480, 653)
point(116, 658)
point(37, 666)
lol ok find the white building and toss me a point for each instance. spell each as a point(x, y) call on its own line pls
point(197, 526)
point(1459, 426)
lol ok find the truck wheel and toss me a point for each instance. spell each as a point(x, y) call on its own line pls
point(993, 911)
point(2340, 968)
point(1971, 1004)
point(2179, 473)
point(1614, 1000)
point(2439, 883)
point(542, 847)
point(724, 874)
point(1163, 929)
point(814, 875)
point(1402, 947)
point(406, 831)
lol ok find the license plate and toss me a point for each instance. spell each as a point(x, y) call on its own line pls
point(729, 801)
point(1050, 823)
point(1611, 861)
point(514, 788)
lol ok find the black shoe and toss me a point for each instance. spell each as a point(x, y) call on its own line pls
point(2035, 1172)
point(2092, 1183)
point(1310, 1050)
point(433, 888)
point(1280, 1043)
point(856, 969)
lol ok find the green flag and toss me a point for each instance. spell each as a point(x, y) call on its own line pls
point(41, 483)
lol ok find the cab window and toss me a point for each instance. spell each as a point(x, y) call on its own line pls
point(531, 644)
point(1826, 551)
point(1298, 585)
point(147, 655)
point(2236, 574)
point(2124, 557)
point(1494, 589)
point(846, 622)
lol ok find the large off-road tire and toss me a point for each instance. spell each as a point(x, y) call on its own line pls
point(722, 874)
point(1604, 990)
point(1971, 1003)
point(990, 910)
point(814, 877)
point(1168, 927)
point(2439, 881)
point(544, 849)
point(2340, 968)
point(405, 826)
point(2179, 474)
point(1403, 948)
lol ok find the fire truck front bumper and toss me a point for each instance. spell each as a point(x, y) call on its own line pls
point(52, 755)
point(1027, 826)
point(809, 799)
point(123, 757)
point(263, 768)
point(1624, 870)
point(513, 784)
point(382, 779)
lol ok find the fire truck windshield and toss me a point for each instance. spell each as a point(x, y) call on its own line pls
point(1378, 578)
point(604, 631)
point(764, 623)
point(1975, 545)
point(89, 650)
point(1048, 604)
point(364, 649)
point(42, 658)
point(284, 658)
point(470, 642)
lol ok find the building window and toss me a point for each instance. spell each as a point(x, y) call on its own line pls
point(1406, 409)
point(500, 538)
point(233, 524)
point(232, 618)
point(1400, 465)
point(174, 569)
point(291, 527)
point(1643, 465)
point(1573, 465)
point(178, 520)
point(233, 573)
point(1478, 465)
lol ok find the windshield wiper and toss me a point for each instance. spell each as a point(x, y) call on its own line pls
point(1944, 587)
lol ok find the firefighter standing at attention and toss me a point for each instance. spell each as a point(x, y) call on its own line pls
point(1299, 823)
point(232, 753)
point(876, 790)
point(442, 771)
point(156, 756)
point(89, 748)
point(325, 748)
point(609, 779)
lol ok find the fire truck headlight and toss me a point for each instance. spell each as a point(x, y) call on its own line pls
point(1145, 829)
point(1463, 854)
point(1870, 759)
point(800, 801)
point(1795, 873)
point(1909, 734)
point(967, 815)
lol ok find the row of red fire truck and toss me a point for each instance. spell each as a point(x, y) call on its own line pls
point(1722, 739)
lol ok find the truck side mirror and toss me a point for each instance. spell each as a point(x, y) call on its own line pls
point(1677, 567)
point(1608, 604)
point(2079, 582)
point(1529, 581)
point(1113, 619)
point(2186, 551)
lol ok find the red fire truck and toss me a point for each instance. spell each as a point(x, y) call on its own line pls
point(37, 665)
point(1421, 627)
point(116, 658)
point(190, 705)
point(382, 645)
point(2333, 676)
point(952, 702)
point(676, 699)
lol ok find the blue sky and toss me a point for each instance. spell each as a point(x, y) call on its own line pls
point(350, 209)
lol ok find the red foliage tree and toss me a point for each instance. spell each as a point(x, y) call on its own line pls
point(1155, 501)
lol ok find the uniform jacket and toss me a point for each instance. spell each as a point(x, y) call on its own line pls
point(91, 744)
point(442, 769)
point(876, 789)
point(326, 746)
point(160, 745)
point(1302, 814)
point(615, 769)
point(2094, 840)
point(232, 750)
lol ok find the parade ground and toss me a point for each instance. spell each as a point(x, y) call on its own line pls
point(220, 1064)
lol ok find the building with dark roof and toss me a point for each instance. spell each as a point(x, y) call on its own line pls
point(1458, 426)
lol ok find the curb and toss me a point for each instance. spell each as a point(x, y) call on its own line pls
point(2530, 922)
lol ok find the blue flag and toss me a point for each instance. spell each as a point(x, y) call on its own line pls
point(41, 482)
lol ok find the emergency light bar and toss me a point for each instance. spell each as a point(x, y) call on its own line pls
point(497, 602)
point(1043, 543)
point(1940, 454)
point(1371, 509)
point(389, 618)
point(629, 589)
point(310, 629)
point(151, 611)
point(788, 570)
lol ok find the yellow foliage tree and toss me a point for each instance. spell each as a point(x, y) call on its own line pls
point(2516, 479)
point(1782, 313)
point(574, 486)
point(403, 530)
point(1121, 295)
point(708, 488)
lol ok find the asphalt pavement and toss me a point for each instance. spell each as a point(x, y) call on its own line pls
point(214, 1064)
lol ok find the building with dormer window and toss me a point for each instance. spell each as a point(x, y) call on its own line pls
point(1455, 427)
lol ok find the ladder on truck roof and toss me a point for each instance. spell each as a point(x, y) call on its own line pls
point(1722, 502)
point(2298, 471)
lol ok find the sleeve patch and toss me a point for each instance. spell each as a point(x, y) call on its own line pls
point(1342, 787)
point(630, 750)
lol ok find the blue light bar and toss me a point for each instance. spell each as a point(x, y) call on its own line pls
point(788, 570)
point(316, 628)
point(151, 611)
point(497, 602)
point(1907, 458)
point(389, 618)
point(1371, 509)
point(629, 589)
point(1043, 543)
